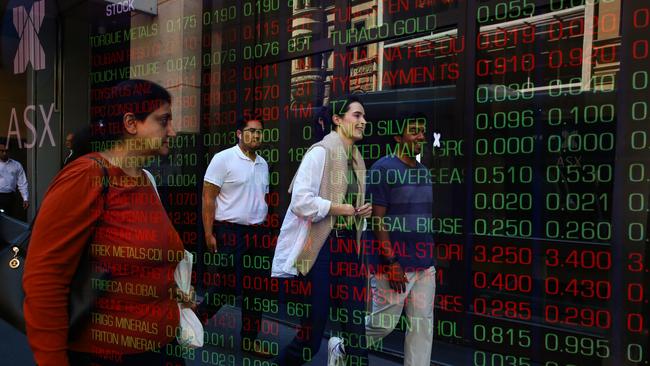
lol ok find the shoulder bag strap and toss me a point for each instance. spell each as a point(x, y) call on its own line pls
point(105, 185)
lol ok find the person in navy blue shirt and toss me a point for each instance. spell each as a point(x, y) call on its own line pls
point(400, 189)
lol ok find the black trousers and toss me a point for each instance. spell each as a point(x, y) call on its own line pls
point(338, 297)
point(241, 266)
point(8, 202)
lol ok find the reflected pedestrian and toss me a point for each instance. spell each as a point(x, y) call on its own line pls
point(402, 194)
point(319, 238)
point(234, 208)
point(12, 175)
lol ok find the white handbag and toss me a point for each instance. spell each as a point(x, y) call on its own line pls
point(190, 332)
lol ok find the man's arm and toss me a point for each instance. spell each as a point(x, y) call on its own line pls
point(22, 186)
point(210, 193)
point(396, 277)
point(380, 232)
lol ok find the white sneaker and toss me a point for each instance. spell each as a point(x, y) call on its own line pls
point(335, 352)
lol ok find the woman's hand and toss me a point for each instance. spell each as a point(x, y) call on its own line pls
point(186, 300)
point(338, 209)
point(364, 211)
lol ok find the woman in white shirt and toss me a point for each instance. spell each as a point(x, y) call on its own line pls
point(319, 238)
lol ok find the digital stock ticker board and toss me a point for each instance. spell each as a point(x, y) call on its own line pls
point(537, 129)
point(537, 145)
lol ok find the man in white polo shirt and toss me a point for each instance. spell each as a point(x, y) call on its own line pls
point(234, 207)
point(12, 175)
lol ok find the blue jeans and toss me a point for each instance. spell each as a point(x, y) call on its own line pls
point(336, 295)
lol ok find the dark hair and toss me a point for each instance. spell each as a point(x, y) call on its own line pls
point(322, 123)
point(137, 96)
point(339, 106)
point(140, 97)
point(242, 122)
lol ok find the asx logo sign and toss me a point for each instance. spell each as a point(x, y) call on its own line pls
point(30, 124)
point(28, 25)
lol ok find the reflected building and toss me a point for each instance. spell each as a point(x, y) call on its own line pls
point(588, 33)
point(366, 64)
point(551, 77)
point(317, 18)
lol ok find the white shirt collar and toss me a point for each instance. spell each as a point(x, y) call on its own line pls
point(243, 156)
